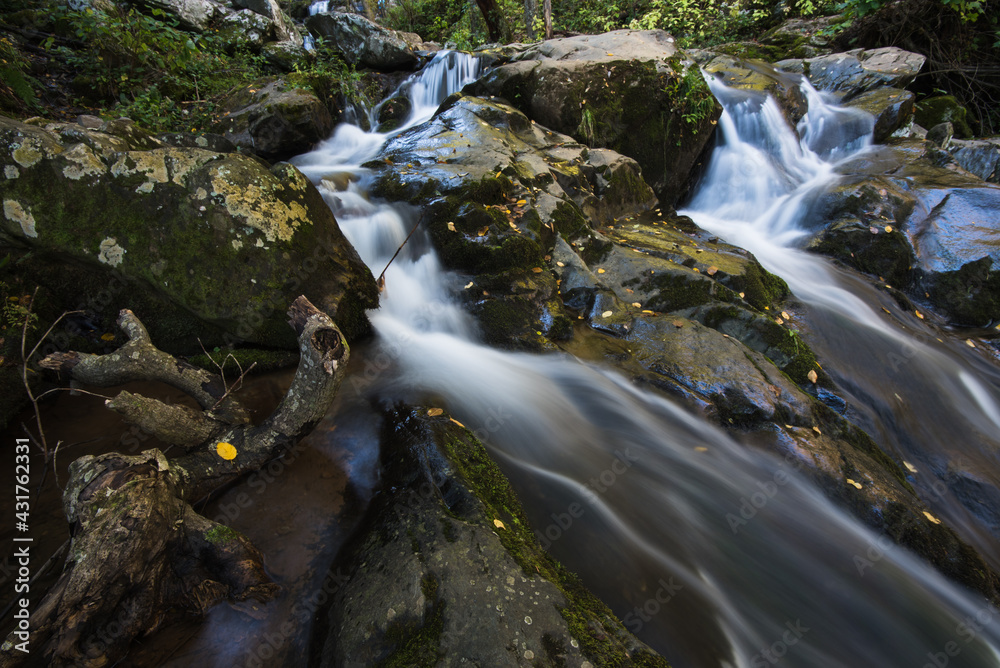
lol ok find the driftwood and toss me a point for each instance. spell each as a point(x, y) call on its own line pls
point(139, 550)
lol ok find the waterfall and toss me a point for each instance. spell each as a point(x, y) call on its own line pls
point(713, 553)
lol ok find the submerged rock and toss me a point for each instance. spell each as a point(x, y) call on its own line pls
point(447, 570)
point(627, 90)
point(197, 243)
point(762, 77)
point(274, 120)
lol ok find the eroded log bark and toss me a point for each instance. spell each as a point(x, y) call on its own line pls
point(139, 550)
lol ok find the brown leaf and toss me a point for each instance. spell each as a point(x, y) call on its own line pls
point(434, 412)
point(711, 271)
point(812, 375)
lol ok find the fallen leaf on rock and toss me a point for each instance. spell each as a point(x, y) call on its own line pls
point(909, 467)
point(434, 412)
point(712, 271)
point(536, 270)
point(785, 315)
point(606, 314)
point(482, 232)
point(468, 285)
point(225, 450)
point(812, 375)
point(970, 343)
point(560, 264)
point(637, 304)
point(457, 422)
point(816, 429)
point(498, 524)
point(856, 484)
point(919, 314)
point(600, 271)
point(931, 518)
point(678, 323)
point(451, 227)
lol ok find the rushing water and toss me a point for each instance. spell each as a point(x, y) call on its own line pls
point(657, 488)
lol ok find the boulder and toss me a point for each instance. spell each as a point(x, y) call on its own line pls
point(854, 72)
point(978, 156)
point(274, 120)
point(630, 91)
point(802, 37)
point(199, 244)
point(287, 56)
point(246, 28)
point(908, 214)
point(447, 568)
point(891, 107)
point(284, 28)
point(363, 42)
point(943, 109)
point(196, 15)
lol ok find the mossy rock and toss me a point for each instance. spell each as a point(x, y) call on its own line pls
point(440, 547)
point(943, 109)
point(194, 241)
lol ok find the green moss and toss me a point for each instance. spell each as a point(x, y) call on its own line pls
point(676, 291)
point(220, 533)
point(418, 647)
point(971, 295)
point(887, 255)
point(760, 288)
point(506, 319)
point(943, 108)
point(239, 360)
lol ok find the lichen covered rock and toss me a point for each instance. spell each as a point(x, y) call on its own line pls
point(363, 43)
point(199, 243)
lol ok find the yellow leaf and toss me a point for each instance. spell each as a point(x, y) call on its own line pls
point(225, 450)
point(457, 422)
point(434, 412)
point(886, 310)
point(678, 323)
point(648, 312)
point(969, 343)
point(779, 321)
point(522, 202)
point(711, 271)
point(536, 270)
point(931, 518)
point(483, 231)
point(742, 295)
point(785, 315)
point(812, 375)
point(600, 271)
point(909, 467)
point(498, 524)
point(816, 429)
point(701, 448)
point(107, 337)
point(560, 264)
point(606, 314)
point(888, 228)
point(451, 227)
point(637, 304)
point(856, 484)
point(919, 314)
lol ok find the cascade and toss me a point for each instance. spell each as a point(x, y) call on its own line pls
point(713, 553)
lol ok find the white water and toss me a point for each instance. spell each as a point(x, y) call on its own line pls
point(947, 415)
point(660, 492)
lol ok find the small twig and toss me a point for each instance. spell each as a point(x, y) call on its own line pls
point(70, 389)
point(236, 386)
point(381, 277)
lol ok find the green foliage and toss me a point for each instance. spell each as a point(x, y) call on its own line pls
point(146, 68)
point(17, 88)
point(330, 77)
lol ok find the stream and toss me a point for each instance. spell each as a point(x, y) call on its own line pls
point(800, 581)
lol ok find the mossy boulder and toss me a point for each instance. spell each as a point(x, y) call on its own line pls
point(446, 569)
point(245, 29)
point(891, 107)
point(287, 56)
point(629, 91)
point(197, 243)
point(943, 109)
point(801, 37)
point(196, 15)
point(274, 120)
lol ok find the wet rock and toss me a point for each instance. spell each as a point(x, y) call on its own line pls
point(198, 243)
point(943, 109)
point(628, 91)
point(363, 43)
point(447, 566)
point(854, 72)
point(287, 56)
point(941, 134)
point(891, 107)
point(759, 76)
point(979, 156)
point(197, 15)
point(207, 141)
point(273, 120)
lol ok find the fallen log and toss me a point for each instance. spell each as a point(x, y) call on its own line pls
point(139, 550)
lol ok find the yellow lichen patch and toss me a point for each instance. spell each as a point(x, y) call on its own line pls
point(14, 212)
point(150, 164)
point(180, 162)
point(82, 162)
point(258, 204)
point(27, 154)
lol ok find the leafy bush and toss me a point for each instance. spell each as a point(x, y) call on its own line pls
point(17, 88)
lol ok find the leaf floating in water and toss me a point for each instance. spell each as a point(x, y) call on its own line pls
point(812, 376)
point(919, 314)
point(931, 518)
point(451, 227)
point(468, 285)
point(498, 524)
point(536, 270)
point(678, 323)
point(888, 312)
point(785, 315)
point(970, 343)
point(712, 271)
point(457, 422)
point(107, 337)
point(434, 412)
point(701, 448)
point(856, 484)
point(637, 304)
point(225, 450)
point(607, 314)
point(779, 321)
point(909, 467)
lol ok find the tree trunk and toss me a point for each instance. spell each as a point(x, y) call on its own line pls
point(496, 22)
point(530, 10)
point(548, 19)
point(139, 549)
